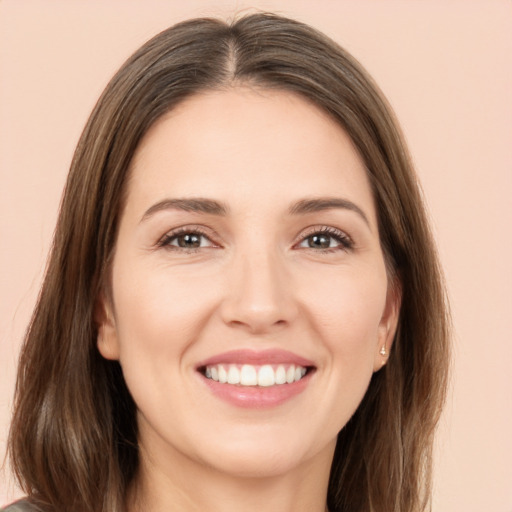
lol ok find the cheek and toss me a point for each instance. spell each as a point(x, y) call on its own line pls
point(347, 319)
point(352, 305)
point(158, 317)
point(159, 313)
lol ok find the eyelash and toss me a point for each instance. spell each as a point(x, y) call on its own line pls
point(344, 241)
point(168, 238)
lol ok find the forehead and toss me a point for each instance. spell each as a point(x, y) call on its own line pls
point(247, 143)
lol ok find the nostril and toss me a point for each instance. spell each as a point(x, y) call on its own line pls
point(258, 299)
point(257, 324)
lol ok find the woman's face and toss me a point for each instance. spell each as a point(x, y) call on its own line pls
point(250, 298)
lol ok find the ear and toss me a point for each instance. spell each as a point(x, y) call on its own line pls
point(107, 341)
point(388, 324)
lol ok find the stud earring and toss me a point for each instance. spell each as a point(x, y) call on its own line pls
point(382, 351)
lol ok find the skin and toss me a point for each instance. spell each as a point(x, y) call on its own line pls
point(256, 282)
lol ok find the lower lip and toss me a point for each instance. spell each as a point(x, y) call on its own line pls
point(254, 396)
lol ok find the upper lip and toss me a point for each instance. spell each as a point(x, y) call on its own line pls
point(256, 357)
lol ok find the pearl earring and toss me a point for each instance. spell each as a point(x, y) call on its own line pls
point(383, 350)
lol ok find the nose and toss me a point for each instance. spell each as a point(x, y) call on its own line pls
point(259, 294)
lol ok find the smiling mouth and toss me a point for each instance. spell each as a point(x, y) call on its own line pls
point(265, 375)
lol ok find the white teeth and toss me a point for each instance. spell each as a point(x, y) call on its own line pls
point(249, 375)
point(290, 374)
point(266, 376)
point(281, 375)
point(233, 375)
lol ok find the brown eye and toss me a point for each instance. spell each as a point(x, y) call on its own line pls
point(188, 240)
point(326, 239)
point(319, 241)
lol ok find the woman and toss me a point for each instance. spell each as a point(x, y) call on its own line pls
point(243, 306)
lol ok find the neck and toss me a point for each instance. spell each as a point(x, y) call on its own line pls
point(186, 486)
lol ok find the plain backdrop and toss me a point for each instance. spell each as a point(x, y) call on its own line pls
point(446, 68)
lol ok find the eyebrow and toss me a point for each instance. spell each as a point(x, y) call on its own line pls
point(213, 207)
point(196, 204)
point(326, 203)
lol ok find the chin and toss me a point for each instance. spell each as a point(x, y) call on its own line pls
point(264, 455)
point(262, 463)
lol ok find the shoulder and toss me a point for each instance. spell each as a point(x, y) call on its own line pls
point(20, 506)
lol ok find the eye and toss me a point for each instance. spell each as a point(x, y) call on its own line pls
point(186, 239)
point(326, 239)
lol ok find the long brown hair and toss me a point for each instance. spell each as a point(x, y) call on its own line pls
point(73, 439)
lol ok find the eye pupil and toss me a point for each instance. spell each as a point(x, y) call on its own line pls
point(319, 241)
point(189, 240)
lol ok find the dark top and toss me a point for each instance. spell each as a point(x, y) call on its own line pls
point(20, 506)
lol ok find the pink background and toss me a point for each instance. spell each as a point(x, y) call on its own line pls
point(446, 67)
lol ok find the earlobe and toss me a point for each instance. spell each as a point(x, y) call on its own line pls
point(388, 325)
point(107, 341)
